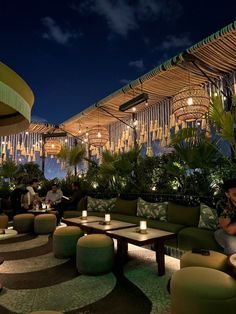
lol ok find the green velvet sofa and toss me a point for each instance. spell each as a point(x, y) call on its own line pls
point(180, 219)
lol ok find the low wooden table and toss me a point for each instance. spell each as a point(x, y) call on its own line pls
point(130, 235)
point(99, 227)
point(78, 221)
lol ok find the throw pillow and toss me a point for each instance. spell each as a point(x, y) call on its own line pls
point(208, 217)
point(152, 210)
point(100, 205)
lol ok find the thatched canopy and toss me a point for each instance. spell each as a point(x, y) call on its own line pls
point(215, 55)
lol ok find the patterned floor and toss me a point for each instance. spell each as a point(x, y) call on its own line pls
point(35, 280)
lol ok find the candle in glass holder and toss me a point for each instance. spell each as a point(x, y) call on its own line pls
point(44, 206)
point(84, 214)
point(143, 226)
point(107, 218)
point(48, 206)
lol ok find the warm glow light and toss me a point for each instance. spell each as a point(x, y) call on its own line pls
point(107, 217)
point(134, 108)
point(99, 135)
point(190, 101)
point(143, 225)
point(84, 213)
point(146, 103)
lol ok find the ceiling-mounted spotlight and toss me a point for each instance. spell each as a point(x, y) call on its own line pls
point(134, 102)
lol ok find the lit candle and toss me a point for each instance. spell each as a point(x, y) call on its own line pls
point(143, 226)
point(48, 206)
point(44, 206)
point(84, 214)
point(107, 218)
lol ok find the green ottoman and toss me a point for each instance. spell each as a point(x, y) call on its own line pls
point(45, 223)
point(95, 254)
point(65, 241)
point(201, 290)
point(215, 260)
point(23, 223)
point(3, 221)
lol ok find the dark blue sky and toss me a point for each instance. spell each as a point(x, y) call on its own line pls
point(73, 53)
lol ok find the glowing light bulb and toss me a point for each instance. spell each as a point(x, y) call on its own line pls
point(99, 135)
point(134, 109)
point(190, 101)
point(146, 103)
point(215, 94)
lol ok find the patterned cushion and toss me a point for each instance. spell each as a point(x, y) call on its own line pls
point(152, 210)
point(100, 205)
point(208, 217)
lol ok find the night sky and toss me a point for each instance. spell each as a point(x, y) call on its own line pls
point(74, 53)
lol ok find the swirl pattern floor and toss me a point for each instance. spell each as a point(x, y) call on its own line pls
point(34, 279)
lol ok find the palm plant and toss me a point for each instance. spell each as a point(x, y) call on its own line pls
point(199, 155)
point(223, 121)
point(72, 156)
point(8, 169)
point(118, 171)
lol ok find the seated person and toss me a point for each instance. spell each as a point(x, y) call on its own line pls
point(27, 201)
point(226, 209)
point(16, 198)
point(54, 196)
point(71, 202)
point(32, 188)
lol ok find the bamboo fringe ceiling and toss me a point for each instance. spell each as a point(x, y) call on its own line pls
point(217, 52)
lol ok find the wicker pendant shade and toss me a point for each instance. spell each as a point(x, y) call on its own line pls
point(98, 136)
point(52, 147)
point(190, 103)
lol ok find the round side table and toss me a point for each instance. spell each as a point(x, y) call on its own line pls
point(232, 263)
point(9, 233)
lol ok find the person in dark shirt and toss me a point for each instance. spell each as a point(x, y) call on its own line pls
point(225, 235)
point(70, 203)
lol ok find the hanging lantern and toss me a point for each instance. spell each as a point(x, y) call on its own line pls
point(98, 136)
point(52, 147)
point(191, 103)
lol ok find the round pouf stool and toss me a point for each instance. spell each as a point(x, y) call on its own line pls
point(23, 223)
point(95, 254)
point(46, 312)
point(45, 223)
point(215, 260)
point(65, 241)
point(3, 221)
point(201, 290)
